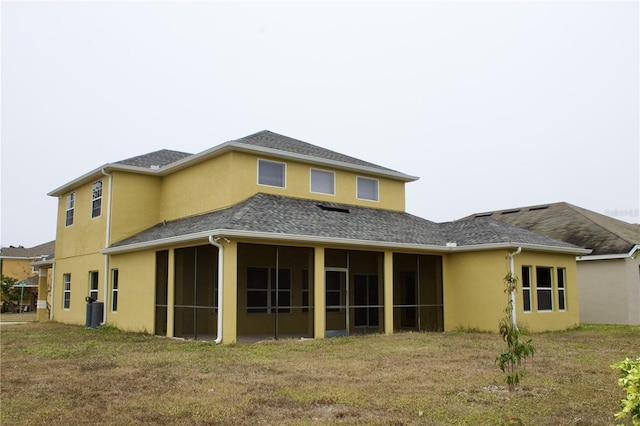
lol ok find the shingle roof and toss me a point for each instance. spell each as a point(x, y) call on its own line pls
point(45, 249)
point(575, 225)
point(278, 215)
point(268, 139)
point(159, 158)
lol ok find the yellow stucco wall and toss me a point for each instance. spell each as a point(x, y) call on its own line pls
point(135, 205)
point(79, 268)
point(136, 291)
point(474, 290)
point(86, 234)
point(17, 268)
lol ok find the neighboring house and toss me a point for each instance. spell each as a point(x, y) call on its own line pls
point(609, 277)
point(271, 236)
point(22, 263)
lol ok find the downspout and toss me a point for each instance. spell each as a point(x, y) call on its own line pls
point(106, 245)
point(512, 296)
point(214, 242)
point(53, 289)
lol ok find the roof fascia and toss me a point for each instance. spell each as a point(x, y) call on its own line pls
point(339, 241)
point(97, 174)
point(631, 254)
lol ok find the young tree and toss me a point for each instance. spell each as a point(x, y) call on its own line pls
point(8, 293)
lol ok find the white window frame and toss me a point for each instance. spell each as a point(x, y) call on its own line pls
point(526, 290)
point(363, 179)
point(562, 289)
point(94, 285)
point(70, 208)
point(284, 173)
point(320, 172)
point(96, 197)
point(544, 289)
point(114, 289)
point(66, 296)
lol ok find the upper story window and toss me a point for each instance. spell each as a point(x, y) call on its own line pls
point(367, 189)
point(323, 182)
point(96, 199)
point(71, 206)
point(271, 173)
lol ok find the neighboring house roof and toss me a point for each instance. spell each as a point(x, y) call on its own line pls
point(39, 251)
point(581, 227)
point(164, 162)
point(29, 282)
point(279, 217)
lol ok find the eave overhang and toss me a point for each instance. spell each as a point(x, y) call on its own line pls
point(632, 254)
point(231, 233)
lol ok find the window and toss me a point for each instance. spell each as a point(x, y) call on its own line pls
point(526, 288)
point(367, 189)
point(114, 290)
point(262, 296)
point(544, 288)
point(271, 173)
point(66, 298)
point(71, 206)
point(323, 182)
point(96, 199)
point(562, 297)
point(93, 285)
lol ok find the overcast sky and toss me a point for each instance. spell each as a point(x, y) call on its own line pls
point(493, 104)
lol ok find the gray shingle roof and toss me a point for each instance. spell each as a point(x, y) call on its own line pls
point(268, 139)
point(575, 225)
point(45, 249)
point(278, 215)
point(160, 158)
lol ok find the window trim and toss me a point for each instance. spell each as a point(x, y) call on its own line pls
point(377, 181)
point(66, 294)
point(93, 281)
point(95, 199)
point(546, 289)
point(114, 289)
point(562, 291)
point(284, 173)
point(527, 288)
point(70, 207)
point(333, 181)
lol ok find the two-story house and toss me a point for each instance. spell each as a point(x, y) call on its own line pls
point(271, 236)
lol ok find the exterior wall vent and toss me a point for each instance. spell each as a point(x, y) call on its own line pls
point(332, 209)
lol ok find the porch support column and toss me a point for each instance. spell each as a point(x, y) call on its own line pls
point(319, 303)
point(42, 314)
point(388, 292)
point(171, 291)
point(230, 293)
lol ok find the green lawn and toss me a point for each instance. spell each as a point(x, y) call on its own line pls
point(58, 374)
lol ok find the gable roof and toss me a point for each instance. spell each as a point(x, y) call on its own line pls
point(563, 221)
point(295, 219)
point(165, 161)
point(43, 250)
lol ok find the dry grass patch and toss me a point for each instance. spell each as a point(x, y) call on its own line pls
point(60, 374)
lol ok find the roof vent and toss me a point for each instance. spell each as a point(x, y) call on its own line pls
point(510, 211)
point(155, 167)
point(538, 208)
point(483, 215)
point(332, 209)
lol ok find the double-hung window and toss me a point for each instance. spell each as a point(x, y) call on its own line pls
point(114, 290)
point(562, 296)
point(544, 288)
point(263, 296)
point(71, 206)
point(367, 189)
point(526, 288)
point(323, 182)
point(271, 173)
point(93, 285)
point(66, 297)
point(96, 199)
